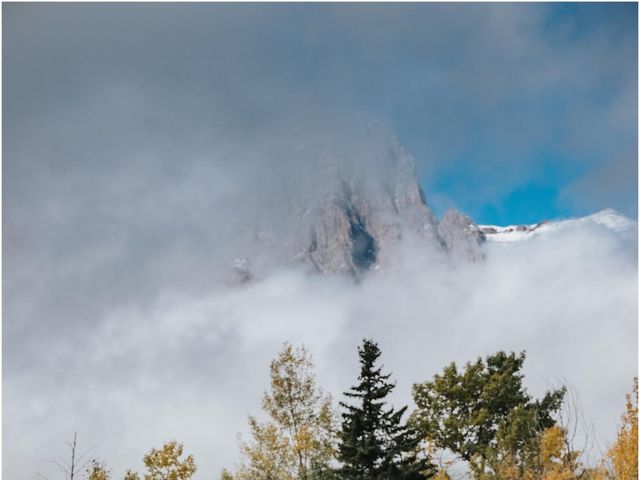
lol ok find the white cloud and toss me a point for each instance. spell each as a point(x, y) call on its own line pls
point(191, 367)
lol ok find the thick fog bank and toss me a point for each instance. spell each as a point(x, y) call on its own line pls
point(192, 366)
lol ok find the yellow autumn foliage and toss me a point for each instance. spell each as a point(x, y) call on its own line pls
point(551, 460)
point(166, 464)
point(441, 475)
point(299, 436)
point(623, 454)
point(97, 471)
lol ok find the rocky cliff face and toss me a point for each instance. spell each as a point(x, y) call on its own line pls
point(361, 225)
point(355, 208)
point(461, 236)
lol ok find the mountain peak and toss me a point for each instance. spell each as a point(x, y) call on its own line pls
point(355, 203)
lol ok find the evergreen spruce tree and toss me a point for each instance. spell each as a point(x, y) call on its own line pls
point(374, 443)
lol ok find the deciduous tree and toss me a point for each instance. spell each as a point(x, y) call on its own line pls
point(623, 454)
point(298, 442)
point(484, 413)
point(97, 470)
point(166, 463)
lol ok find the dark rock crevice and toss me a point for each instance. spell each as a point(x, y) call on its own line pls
point(363, 245)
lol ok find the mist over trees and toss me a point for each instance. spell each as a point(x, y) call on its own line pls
point(475, 422)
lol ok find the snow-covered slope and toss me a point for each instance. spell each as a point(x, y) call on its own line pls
point(608, 218)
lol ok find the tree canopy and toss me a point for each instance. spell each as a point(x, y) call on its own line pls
point(483, 413)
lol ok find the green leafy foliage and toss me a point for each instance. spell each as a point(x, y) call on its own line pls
point(484, 412)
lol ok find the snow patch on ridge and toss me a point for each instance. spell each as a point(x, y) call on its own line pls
point(608, 218)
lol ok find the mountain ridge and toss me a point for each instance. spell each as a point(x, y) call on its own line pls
point(608, 218)
point(345, 203)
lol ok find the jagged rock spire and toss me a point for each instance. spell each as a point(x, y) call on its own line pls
point(357, 202)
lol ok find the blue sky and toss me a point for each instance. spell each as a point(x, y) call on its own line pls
point(514, 112)
point(542, 126)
